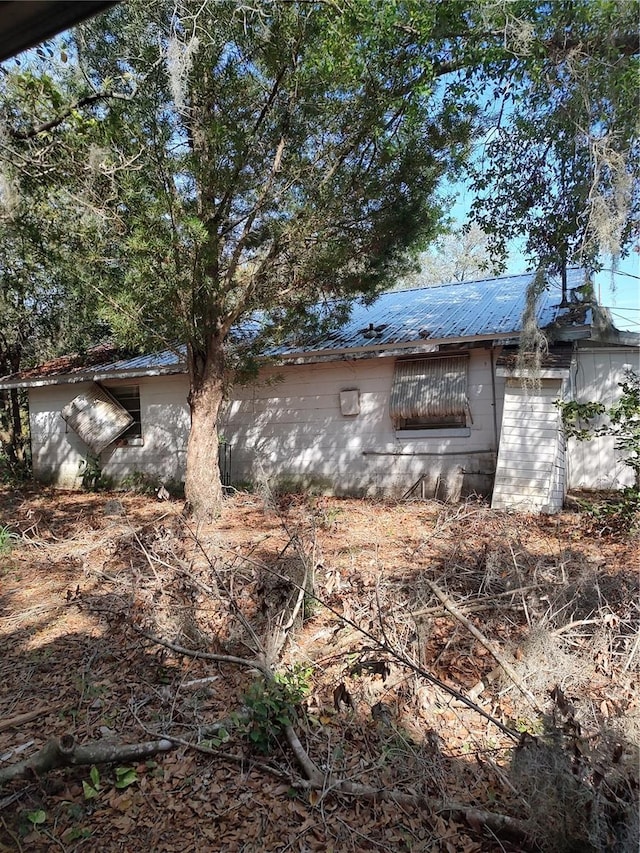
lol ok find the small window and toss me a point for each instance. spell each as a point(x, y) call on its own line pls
point(129, 398)
point(430, 393)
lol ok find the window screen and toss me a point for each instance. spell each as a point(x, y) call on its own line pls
point(97, 418)
point(430, 393)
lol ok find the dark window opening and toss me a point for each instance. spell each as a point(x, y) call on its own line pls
point(129, 398)
point(431, 423)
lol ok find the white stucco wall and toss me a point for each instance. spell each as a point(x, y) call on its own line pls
point(289, 429)
point(595, 377)
point(59, 455)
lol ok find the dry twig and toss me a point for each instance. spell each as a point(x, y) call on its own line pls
point(489, 646)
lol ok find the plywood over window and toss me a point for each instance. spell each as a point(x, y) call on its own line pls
point(430, 392)
point(96, 418)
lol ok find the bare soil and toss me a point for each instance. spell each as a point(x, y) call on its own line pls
point(84, 574)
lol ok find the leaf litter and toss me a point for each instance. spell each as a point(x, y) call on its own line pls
point(561, 605)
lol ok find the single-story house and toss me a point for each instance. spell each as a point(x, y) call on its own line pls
point(417, 394)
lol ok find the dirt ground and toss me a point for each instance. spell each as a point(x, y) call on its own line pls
point(88, 580)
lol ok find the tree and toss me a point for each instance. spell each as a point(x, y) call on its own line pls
point(460, 254)
point(43, 311)
point(257, 158)
point(559, 159)
point(45, 256)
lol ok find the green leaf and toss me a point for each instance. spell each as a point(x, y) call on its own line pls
point(125, 776)
point(94, 775)
point(90, 793)
point(37, 817)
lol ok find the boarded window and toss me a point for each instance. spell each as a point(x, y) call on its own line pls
point(430, 393)
point(97, 418)
point(129, 398)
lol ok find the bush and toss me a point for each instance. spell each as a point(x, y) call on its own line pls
point(612, 514)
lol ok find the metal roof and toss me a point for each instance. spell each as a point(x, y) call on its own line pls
point(490, 309)
point(98, 364)
point(469, 310)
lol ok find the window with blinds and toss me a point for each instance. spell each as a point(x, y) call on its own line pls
point(430, 392)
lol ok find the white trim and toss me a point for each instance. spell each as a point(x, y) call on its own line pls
point(426, 433)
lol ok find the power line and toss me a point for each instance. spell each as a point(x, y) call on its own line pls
point(613, 308)
point(620, 272)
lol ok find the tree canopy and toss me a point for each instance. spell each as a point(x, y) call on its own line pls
point(558, 163)
point(223, 159)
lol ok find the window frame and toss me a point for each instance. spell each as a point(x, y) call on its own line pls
point(134, 435)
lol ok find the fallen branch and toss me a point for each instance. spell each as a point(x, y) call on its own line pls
point(579, 623)
point(242, 760)
point(448, 603)
point(478, 606)
point(318, 781)
point(65, 752)
point(12, 722)
point(387, 648)
point(298, 750)
point(502, 825)
point(195, 653)
point(476, 818)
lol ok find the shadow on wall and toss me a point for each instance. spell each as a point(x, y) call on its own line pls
point(61, 458)
point(293, 449)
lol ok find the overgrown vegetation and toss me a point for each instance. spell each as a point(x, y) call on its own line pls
point(275, 704)
point(621, 422)
point(93, 477)
point(8, 539)
point(352, 720)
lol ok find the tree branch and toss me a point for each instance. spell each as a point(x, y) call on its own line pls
point(64, 752)
point(488, 645)
point(399, 656)
point(88, 100)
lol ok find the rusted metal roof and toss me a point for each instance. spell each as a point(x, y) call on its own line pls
point(102, 362)
point(490, 309)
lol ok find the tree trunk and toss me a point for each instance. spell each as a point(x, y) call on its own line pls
point(10, 440)
point(203, 489)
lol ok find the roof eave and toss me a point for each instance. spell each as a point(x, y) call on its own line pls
point(92, 376)
point(425, 345)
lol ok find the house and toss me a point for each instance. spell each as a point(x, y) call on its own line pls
point(418, 394)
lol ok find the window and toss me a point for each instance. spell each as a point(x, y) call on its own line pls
point(129, 398)
point(430, 393)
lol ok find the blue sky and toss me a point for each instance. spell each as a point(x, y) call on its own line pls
point(618, 290)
